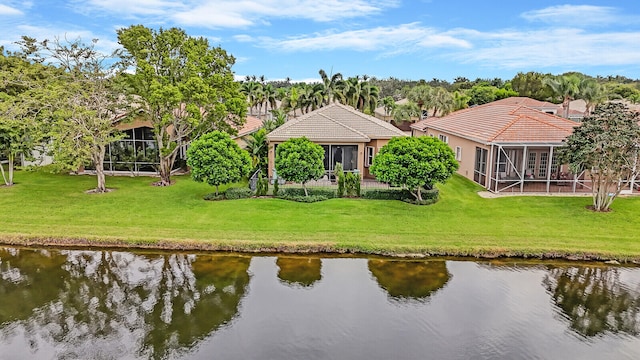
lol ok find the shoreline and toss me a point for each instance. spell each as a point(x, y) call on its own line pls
point(244, 247)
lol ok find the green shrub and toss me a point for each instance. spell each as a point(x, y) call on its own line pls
point(423, 202)
point(328, 193)
point(339, 173)
point(213, 197)
point(304, 199)
point(352, 184)
point(276, 188)
point(238, 193)
point(262, 186)
point(399, 194)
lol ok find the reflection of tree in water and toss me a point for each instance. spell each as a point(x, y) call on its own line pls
point(594, 300)
point(299, 270)
point(409, 279)
point(28, 280)
point(112, 304)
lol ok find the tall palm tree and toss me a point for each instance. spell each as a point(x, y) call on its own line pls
point(389, 104)
point(330, 85)
point(368, 99)
point(269, 97)
point(565, 87)
point(406, 112)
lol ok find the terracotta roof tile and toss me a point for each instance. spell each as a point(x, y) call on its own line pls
point(499, 122)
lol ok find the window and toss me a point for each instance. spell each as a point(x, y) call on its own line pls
point(458, 153)
point(443, 138)
point(544, 161)
point(368, 160)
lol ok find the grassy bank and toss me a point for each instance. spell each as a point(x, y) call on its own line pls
point(46, 208)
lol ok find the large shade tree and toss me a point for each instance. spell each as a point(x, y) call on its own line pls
point(185, 87)
point(215, 159)
point(299, 160)
point(22, 130)
point(414, 162)
point(606, 145)
point(85, 103)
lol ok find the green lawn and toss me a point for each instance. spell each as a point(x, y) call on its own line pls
point(48, 208)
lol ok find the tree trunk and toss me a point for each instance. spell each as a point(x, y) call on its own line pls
point(98, 160)
point(304, 186)
point(217, 190)
point(565, 105)
point(165, 170)
point(8, 180)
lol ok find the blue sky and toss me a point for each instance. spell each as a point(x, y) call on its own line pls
point(419, 39)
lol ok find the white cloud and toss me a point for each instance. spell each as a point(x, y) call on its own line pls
point(386, 40)
point(574, 15)
point(549, 48)
point(128, 8)
point(9, 11)
point(243, 38)
point(236, 13)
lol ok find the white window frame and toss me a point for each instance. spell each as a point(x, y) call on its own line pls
point(458, 153)
point(443, 138)
point(369, 155)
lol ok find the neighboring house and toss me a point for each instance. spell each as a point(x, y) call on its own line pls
point(251, 125)
point(545, 106)
point(347, 136)
point(508, 146)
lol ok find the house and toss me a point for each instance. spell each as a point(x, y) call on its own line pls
point(545, 106)
point(251, 125)
point(508, 146)
point(347, 136)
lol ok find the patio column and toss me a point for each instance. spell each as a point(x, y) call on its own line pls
point(549, 167)
point(524, 164)
point(495, 173)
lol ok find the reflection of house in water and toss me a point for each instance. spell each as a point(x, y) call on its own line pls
point(409, 279)
point(594, 300)
point(299, 270)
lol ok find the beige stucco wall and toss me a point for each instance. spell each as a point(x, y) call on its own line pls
point(467, 161)
point(376, 144)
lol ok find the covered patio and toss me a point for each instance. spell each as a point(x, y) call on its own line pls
point(529, 167)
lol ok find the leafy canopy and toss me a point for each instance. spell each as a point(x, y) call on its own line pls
point(415, 163)
point(299, 160)
point(606, 144)
point(216, 159)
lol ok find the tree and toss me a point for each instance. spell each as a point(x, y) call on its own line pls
point(421, 95)
point(481, 94)
point(565, 87)
point(330, 84)
point(389, 104)
point(299, 160)
point(85, 104)
point(532, 85)
point(258, 149)
point(415, 163)
point(406, 112)
point(606, 144)
point(21, 116)
point(460, 100)
point(184, 87)
point(441, 100)
point(215, 159)
point(591, 92)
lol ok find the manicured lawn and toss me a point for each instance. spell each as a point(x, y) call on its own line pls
point(55, 208)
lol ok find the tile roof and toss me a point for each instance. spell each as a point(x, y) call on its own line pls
point(335, 122)
point(251, 125)
point(502, 123)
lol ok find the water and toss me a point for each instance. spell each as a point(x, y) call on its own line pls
point(76, 304)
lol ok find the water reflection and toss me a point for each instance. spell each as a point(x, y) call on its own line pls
point(148, 305)
point(299, 271)
point(28, 280)
point(404, 280)
point(595, 300)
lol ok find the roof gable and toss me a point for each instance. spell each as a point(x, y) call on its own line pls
point(335, 122)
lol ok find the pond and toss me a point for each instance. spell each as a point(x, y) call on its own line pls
point(81, 304)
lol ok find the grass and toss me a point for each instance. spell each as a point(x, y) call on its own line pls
point(45, 208)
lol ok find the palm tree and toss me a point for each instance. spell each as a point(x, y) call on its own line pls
point(257, 147)
point(406, 112)
point(368, 98)
point(330, 85)
point(269, 97)
point(565, 87)
point(591, 92)
point(441, 100)
point(389, 104)
point(460, 100)
point(250, 89)
point(420, 95)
